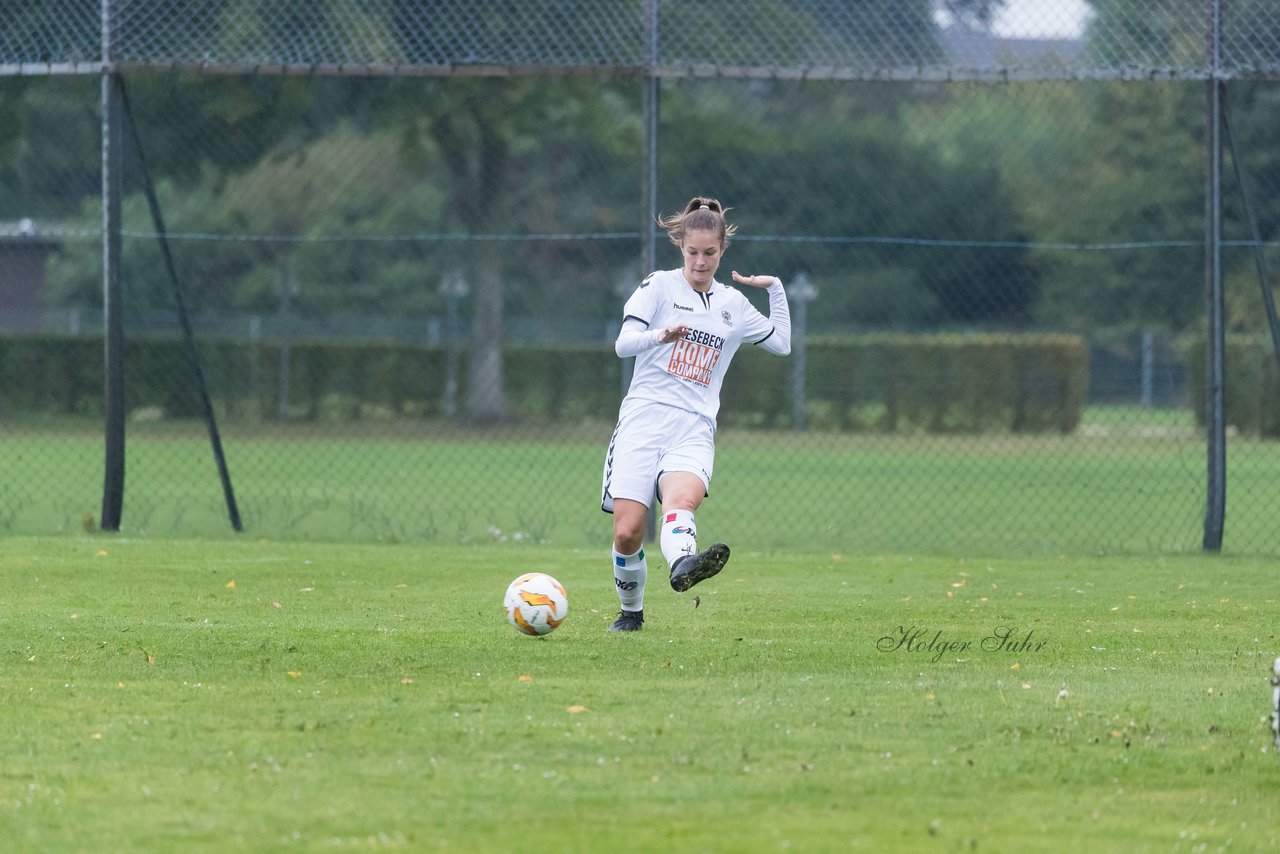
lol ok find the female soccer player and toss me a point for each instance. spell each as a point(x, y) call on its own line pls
point(683, 327)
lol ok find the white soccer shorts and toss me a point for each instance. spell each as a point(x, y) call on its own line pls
point(650, 440)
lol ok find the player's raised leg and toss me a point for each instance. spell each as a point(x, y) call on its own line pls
point(682, 494)
point(692, 569)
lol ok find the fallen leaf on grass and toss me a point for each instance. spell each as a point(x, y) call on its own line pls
point(231, 585)
point(295, 673)
point(577, 710)
point(525, 677)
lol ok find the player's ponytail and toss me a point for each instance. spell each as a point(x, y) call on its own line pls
point(700, 214)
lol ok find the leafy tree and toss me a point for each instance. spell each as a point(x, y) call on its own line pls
point(11, 124)
point(50, 143)
point(1253, 109)
point(494, 147)
point(1138, 181)
point(477, 126)
point(1144, 175)
point(862, 173)
point(798, 33)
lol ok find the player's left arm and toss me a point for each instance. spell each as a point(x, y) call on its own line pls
point(773, 333)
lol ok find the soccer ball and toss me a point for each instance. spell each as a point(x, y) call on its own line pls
point(536, 603)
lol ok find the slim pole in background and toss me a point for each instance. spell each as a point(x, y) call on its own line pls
point(112, 284)
point(1215, 340)
point(649, 236)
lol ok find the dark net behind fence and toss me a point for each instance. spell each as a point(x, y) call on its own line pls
point(404, 261)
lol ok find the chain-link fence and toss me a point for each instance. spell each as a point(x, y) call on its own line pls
point(402, 234)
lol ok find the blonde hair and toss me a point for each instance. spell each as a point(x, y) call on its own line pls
point(701, 214)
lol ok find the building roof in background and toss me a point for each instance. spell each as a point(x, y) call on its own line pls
point(967, 47)
point(27, 233)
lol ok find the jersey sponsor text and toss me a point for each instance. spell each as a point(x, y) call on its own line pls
point(694, 361)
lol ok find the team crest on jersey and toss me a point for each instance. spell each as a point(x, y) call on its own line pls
point(726, 317)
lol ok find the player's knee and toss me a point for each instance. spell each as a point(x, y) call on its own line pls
point(628, 539)
point(627, 545)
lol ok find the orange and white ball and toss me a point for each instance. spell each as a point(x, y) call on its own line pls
point(536, 603)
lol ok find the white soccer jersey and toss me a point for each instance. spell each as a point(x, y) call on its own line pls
point(688, 373)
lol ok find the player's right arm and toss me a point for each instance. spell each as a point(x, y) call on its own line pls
point(635, 337)
point(641, 310)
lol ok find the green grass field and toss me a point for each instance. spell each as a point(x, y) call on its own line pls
point(214, 695)
point(1128, 481)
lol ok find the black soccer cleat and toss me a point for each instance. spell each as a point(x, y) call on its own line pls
point(691, 569)
point(628, 621)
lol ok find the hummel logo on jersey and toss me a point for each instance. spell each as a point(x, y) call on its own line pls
point(681, 307)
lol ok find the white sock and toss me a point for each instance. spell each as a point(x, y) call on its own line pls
point(679, 535)
point(629, 574)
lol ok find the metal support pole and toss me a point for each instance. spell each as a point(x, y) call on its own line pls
point(802, 292)
point(1215, 415)
point(1147, 370)
point(453, 287)
point(184, 318)
point(255, 362)
point(112, 284)
point(649, 235)
point(286, 290)
point(652, 104)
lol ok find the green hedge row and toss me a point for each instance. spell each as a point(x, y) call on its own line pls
point(897, 383)
point(1252, 379)
point(881, 383)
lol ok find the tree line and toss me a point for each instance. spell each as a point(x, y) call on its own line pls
point(924, 205)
